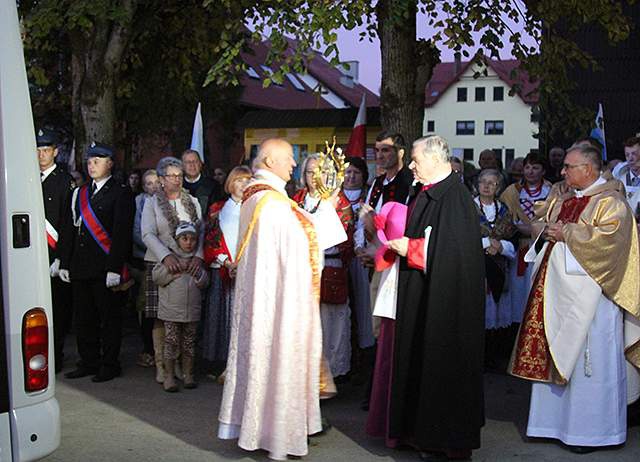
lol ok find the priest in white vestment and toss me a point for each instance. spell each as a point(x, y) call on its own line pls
point(272, 388)
point(572, 342)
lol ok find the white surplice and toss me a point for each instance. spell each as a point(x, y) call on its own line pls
point(271, 392)
point(591, 409)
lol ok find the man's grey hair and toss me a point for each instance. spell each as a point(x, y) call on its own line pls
point(303, 168)
point(167, 162)
point(590, 154)
point(433, 145)
point(191, 151)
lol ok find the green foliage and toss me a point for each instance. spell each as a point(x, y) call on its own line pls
point(169, 50)
point(539, 32)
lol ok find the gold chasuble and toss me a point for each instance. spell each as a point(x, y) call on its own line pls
point(599, 230)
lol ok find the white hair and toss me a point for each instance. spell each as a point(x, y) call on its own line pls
point(433, 145)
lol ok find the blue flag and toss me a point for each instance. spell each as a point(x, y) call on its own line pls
point(598, 131)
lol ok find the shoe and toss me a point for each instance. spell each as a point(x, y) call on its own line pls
point(187, 366)
point(432, 456)
point(326, 426)
point(105, 376)
point(145, 360)
point(80, 372)
point(582, 449)
point(169, 384)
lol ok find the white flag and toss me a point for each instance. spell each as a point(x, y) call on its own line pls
point(197, 137)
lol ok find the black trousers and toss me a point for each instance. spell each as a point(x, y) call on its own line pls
point(98, 323)
point(62, 314)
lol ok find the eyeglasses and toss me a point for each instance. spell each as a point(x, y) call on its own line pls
point(174, 176)
point(569, 166)
point(488, 183)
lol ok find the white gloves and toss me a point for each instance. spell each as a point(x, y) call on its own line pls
point(113, 279)
point(54, 269)
point(64, 275)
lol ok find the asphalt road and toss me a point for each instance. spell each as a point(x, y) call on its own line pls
point(132, 419)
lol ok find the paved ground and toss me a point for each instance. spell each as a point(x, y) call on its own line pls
point(132, 419)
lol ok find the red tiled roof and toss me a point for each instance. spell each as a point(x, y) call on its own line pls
point(286, 96)
point(445, 75)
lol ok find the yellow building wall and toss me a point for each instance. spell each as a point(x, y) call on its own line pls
point(313, 137)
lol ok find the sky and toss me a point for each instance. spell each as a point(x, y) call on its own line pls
point(368, 53)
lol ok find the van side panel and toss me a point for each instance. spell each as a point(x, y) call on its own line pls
point(25, 276)
point(5, 440)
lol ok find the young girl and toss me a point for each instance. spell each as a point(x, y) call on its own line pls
point(179, 302)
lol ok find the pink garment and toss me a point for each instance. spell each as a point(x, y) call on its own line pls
point(378, 418)
point(271, 392)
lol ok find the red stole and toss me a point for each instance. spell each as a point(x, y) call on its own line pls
point(531, 357)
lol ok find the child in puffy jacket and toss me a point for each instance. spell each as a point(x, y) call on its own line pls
point(179, 303)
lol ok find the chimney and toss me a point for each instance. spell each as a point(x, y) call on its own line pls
point(458, 61)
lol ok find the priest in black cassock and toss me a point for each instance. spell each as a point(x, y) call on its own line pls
point(437, 398)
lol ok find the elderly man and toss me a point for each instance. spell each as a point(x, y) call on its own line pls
point(203, 188)
point(272, 387)
point(571, 339)
point(437, 402)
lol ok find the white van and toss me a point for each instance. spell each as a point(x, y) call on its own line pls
point(29, 412)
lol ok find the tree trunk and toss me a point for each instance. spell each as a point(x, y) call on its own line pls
point(407, 66)
point(96, 59)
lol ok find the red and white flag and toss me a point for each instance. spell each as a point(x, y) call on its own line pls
point(357, 146)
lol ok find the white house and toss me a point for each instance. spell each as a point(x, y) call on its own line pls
point(474, 114)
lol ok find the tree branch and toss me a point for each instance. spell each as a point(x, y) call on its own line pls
point(119, 37)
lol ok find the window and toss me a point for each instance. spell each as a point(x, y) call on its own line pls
point(479, 93)
point(494, 127)
point(468, 154)
point(462, 94)
point(431, 126)
point(498, 152)
point(509, 155)
point(295, 82)
point(252, 73)
point(465, 127)
point(498, 93)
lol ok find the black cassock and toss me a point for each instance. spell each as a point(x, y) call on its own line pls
point(437, 397)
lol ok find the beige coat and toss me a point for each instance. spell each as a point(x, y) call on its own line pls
point(179, 295)
point(157, 231)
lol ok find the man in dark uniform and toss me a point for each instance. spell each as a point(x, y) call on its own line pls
point(57, 186)
point(94, 260)
point(203, 188)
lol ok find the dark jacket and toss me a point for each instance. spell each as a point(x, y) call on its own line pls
point(56, 195)
point(114, 207)
point(397, 190)
point(437, 398)
point(206, 190)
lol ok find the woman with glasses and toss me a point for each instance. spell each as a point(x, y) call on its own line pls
point(160, 217)
point(496, 226)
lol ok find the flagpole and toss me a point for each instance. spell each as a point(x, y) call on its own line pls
point(604, 135)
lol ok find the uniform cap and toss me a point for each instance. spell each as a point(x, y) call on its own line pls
point(99, 150)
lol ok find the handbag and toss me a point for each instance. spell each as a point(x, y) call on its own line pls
point(334, 288)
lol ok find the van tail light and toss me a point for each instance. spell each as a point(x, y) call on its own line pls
point(35, 350)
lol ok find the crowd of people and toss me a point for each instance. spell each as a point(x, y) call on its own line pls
point(415, 283)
